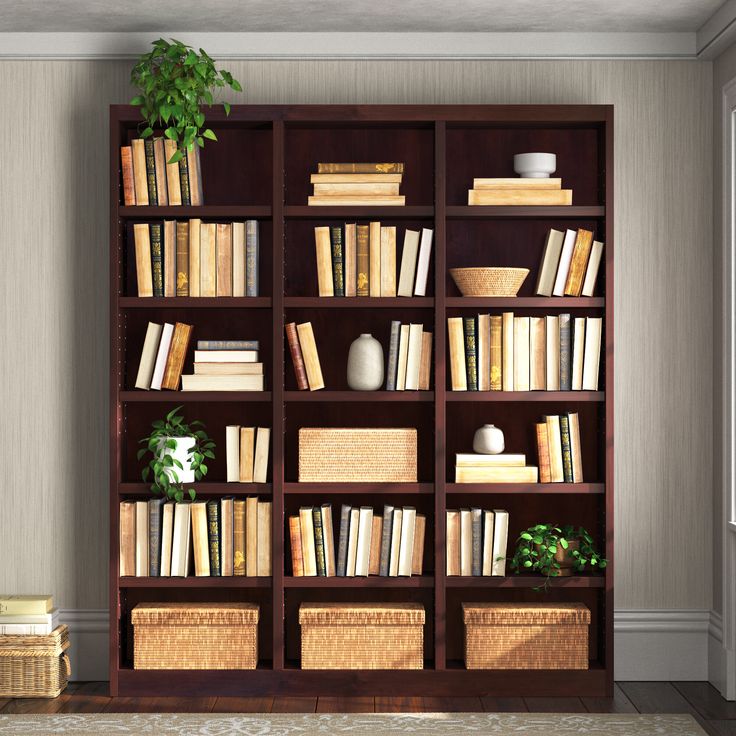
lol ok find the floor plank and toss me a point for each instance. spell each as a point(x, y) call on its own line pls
point(452, 705)
point(161, 705)
point(87, 697)
point(384, 704)
point(504, 705)
point(37, 705)
point(3, 703)
point(619, 703)
point(243, 705)
point(707, 700)
point(294, 705)
point(555, 705)
point(656, 697)
point(358, 704)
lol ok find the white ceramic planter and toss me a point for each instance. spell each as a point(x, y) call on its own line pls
point(180, 453)
point(535, 165)
point(488, 440)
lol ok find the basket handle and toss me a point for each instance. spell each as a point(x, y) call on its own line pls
point(67, 664)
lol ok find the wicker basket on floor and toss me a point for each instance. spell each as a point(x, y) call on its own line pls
point(195, 636)
point(34, 666)
point(362, 636)
point(533, 636)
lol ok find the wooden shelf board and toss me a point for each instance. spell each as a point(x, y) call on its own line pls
point(354, 488)
point(526, 488)
point(522, 212)
point(239, 581)
point(203, 489)
point(133, 397)
point(356, 213)
point(527, 302)
point(374, 581)
point(410, 396)
point(358, 302)
point(182, 302)
point(571, 396)
point(522, 581)
point(208, 210)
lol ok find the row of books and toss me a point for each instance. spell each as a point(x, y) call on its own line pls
point(162, 357)
point(27, 615)
point(148, 178)
point(304, 356)
point(195, 258)
point(232, 368)
point(340, 184)
point(508, 353)
point(409, 362)
point(476, 542)
point(519, 191)
point(559, 449)
point(368, 544)
point(246, 453)
point(223, 537)
point(570, 264)
point(502, 468)
point(360, 260)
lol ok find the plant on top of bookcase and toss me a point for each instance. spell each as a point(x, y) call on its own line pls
point(178, 452)
point(175, 81)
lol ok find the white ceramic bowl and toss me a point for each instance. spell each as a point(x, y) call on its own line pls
point(535, 165)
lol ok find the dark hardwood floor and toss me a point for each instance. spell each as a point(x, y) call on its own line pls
point(716, 715)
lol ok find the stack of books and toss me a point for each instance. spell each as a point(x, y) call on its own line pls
point(27, 615)
point(570, 264)
point(162, 358)
point(519, 191)
point(501, 352)
point(357, 184)
point(304, 356)
point(246, 452)
point(391, 545)
point(409, 361)
point(559, 449)
point(224, 537)
point(360, 260)
point(148, 178)
point(504, 468)
point(476, 542)
point(225, 365)
point(195, 258)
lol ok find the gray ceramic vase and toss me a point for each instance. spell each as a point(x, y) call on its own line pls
point(365, 364)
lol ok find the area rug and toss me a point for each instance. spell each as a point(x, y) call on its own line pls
point(370, 724)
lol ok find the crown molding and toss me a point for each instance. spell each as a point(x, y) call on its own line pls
point(718, 32)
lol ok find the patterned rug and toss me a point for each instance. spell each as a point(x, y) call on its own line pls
point(371, 724)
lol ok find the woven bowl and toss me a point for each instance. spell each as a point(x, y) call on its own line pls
point(489, 281)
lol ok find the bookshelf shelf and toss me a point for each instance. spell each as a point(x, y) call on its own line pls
point(358, 302)
point(392, 396)
point(357, 213)
point(204, 212)
point(523, 581)
point(189, 302)
point(204, 489)
point(418, 581)
point(523, 212)
point(358, 488)
point(525, 302)
point(239, 581)
point(526, 488)
point(184, 397)
point(521, 396)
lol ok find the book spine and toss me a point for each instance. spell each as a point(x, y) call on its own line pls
point(239, 537)
point(565, 372)
point(393, 356)
point(319, 541)
point(338, 278)
point(186, 197)
point(126, 166)
point(297, 358)
point(477, 531)
point(385, 560)
point(182, 259)
point(151, 172)
point(360, 168)
point(252, 248)
point(213, 534)
point(543, 453)
point(342, 544)
point(227, 345)
point(157, 258)
point(470, 353)
point(297, 556)
point(496, 353)
point(363, 261)
point(154, 537)
point(566, 449)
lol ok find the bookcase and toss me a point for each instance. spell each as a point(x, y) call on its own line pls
point(259, 169)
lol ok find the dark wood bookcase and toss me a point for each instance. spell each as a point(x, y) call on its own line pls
point(260, 169)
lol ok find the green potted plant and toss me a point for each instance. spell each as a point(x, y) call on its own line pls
point(178, 452)
point(175, 82)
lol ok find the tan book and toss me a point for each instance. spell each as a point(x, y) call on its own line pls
point(500, 541)
point(143, 270)
point(260, 461)
point(374, 561)
point(232, 453)
point(403, 357)
point(251, 536)
point(543, 452)
point(406, 550)
point(16, 606)
point(524, 197)
point(552, 353)
point(159, 159)
point(521, 353)
point(180, 542)
point(221, 383)
point(228, 369)
point(363, 550)
point(591, 272)
point(409, 255)
point(351, 259)
point(207, 259)
point(507, 337)
point(496, 353)
point(579, 263)
point(364, 178)
point(395, 548)
point(295, 541)
point(173, 183)
point(425, 364)
point(177, 354)
point(264, 538)
point(578, 353)
point(456, 344)
point(141, 539)
point(195, 228)
point(487, 554)
point(550, 261)
point(239, 537)
point(483, 351)
point(475, 460)
point(181, 284)
point(127, 538)
point(148, 356)
point(247, 452)
point(453, 542)
point(576, 451)
point(466, 542)
point(537, 354)
point(167, 532)
point(126, 169)
point(554, 438)
point(323, 250)
point(417, 557)
point(169, 247)
point(310, 355)
point(227, 536)
point(238, 259)
point(195, 176)
point(526, 474)
point(362, 200)
point(363, 260)
point(517, 182)
point(374, 258)
point(360, 168)
point(413, 358)
point(388, 261)
point(355, 188)
point(224, 251)
point(140, 178)
point(592, 359)
point(200, 540)
point(328, 537)
point(226, 356)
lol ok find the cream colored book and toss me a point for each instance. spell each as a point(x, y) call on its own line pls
point(374, 560)
point(483, 351)
point(224, 257)
point(227, 536)
point(221, 383)
point(425, 252)
point(200, 540)
point(474, 460)
point(374, 259)
point(363, 552)
point(126, 540)
point(517, 182)
point(141, 539)
point(507, 350)
point(409, 254)
point(466, 542)
point(355, 188)
point(456, 344)
point(521, 353)
point(169, 254)
point(395, 548)
point(328, 536)
point(323, 253)
point(413, 358)
point(251, 536)
point(228, 369)
point(351, 259)
point(406, 549)
point(353, 200)
point(417, 556)
point(353, 532)
point(576, 452)
point(578, 353)
point(520, 197)
point(591, 273)
point(195, 277)
point(173, 183)
point(140, 179)
point(550, 261)
point(498, 474)
point(552, 353)
point(388, 261)
point(238, 259)
point(537, 354)
point(260, 462)
point(355, 178)
point(554, 440)
point(143, 268)
point(500, 541)
point(26, 605)
point(247, 453)
point(180, 544)
point(167, 531)
point(232, 453)
point(264, 538)
point(591, 362)
point(148, 356)
point(225, 356)
point(563, 268)
point(403, 357)
point(163, 353)
point(207, 259)
point(487, 558)
point(452, 519)
point(310, 355)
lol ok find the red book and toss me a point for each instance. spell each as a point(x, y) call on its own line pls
point(545, 475)
point(296, 357)
point(126, 165)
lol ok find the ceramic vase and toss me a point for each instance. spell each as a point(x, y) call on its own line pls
point(365, 364)
point(185, 474)
point(488, 440)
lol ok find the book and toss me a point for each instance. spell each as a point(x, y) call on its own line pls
point(309, 551)
point(227, 346)
point(495, 353)
point(195, 176)
point(374, 558)
point(388, 261)
point(537, 354)
point(155, 512)
point(342, 543)
point(221, 383)
point(500, 474)
point(251, 536)
point(566, 453)
point(413, 358)
point(319, 542)
point(500, 541)
point(386, 536)
point(208, 259)
point(425, 251)
point(565, 373)
point(143, 266)
point(25, 605)
point(338, 278)
point(393, 356)
point(550, 262)
point(408, 268)
point(362, 261)
point(27, 629)
point(521, 353)
point(295, 539)
point(225, 356)
point(213, 537)
point(471, 369)
point(232, 453)
point(141, 539)
point(148, 356)
point(239, 277)
point(247, 453)
point(159, 165)
point(127, 538)
point(140, 177)
point(425, 363)
point(227, 536)
point(126, 168)
point(578, 352)
point(360, 168)
point(563, 268)
point(554, 441)
point(328, 536)
point(476, 460)
point(356, 200)
point(456, 344)
point(297, 360)
point(252, 258)
point(181, 263)
point(528, 197)
point(466, 543)
point(186, 195)
point(353, 531)
point(169, 257)
point(483, 351)
point(487, 537)
point(180, 549)
point(417, 555)
point(239, 537)
point(452, 521)
point(150, 172)
point(374, 259)
point(173, 183)
point(200, 539)
point(228, 369)
point(395, 548)
point(177, 353)
point(591, 272)
point(507, 351)
point(265, 511)
point(591, 361)
point(552, 352)
point(167, 531)
point(354, 178)
point(355, 188)
point(157, 258)
point(260, 461)
point(517, 182)
point(363, 548)
point(403, 357)
point(543, 453)
point(224, 256)
point(476, 520)
point(310, 356)
point(350, 259)
point(406, 549)
point(578, 262)
point(159, 366)
point(575, 447)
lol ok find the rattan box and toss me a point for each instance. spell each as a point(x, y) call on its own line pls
point(362, 636)
point(195, 636)
point(534, 636)
point(34, 666)
point(353, 455)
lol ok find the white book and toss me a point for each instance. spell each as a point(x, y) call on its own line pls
point(260, 462)
point(403, 358)
point(180, 546)
point(167, 531)
point(488, 524)
point(395, 549)
point(25, 629)
point(238, 259)
point(232, 452)
point(46, 622)
point(500, 540)
point(328, 537)
point(365, 526)
point(163, 353)
point(148, 356)
point(408, 262)
point(192, 382)
point(406, 548)
point(225, 356)
point(591, 272)
point(466, 542)
point(309, 554)
point(578, 347)
point(413, 358)
point(591, 362)
point(550, 261)
point(565, 258)
point(425, 249)
point(507, 342)
point(521, 353)
point(552, 353)
point(353, 542)
point(141, 539)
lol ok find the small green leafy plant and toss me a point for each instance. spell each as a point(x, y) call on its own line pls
point(162, 467)
point(174, 82)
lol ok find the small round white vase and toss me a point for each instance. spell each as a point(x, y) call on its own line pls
point(488, 440)
point(365, 364)
point(535, 165)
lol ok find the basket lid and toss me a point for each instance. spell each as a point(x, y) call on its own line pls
point(217, 614)
point(361, 613)
point(36, 645)
point(525, 613)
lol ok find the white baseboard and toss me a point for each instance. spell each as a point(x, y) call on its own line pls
point(89, 640)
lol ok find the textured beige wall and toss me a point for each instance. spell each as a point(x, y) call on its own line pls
point(53, 372)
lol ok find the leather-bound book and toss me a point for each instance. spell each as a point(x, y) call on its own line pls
point(126, 167)
point(177, 354)
point(297, 358)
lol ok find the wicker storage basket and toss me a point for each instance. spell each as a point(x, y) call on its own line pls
point(34, 666)
point(362, 636)
point(382, 455)
point(490, 281)
point(534, 636)
point(195, 636)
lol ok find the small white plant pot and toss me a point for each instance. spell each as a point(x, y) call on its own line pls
point(185, 474)
point(535, 165)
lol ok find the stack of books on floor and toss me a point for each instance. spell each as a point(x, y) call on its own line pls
point(162, 358)
point(519, 191)
point(570, 264)
point(149, 178)
point(195, 258)
point(246, 452)
point(409, 361)
point(476, 542)
point(225, 537)
point(27, 615)
point(225, 365)
point(559, 448)
point(304, 356)
point(391, 545)
point(491, 352)
point(360, 260)
point(357, 184)
point(504, 468)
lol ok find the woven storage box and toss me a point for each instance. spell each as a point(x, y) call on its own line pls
point(344, 455)
point(195, 636)
point(362, 636)
point(34, 666)
point(489, 281)
point(533, 636)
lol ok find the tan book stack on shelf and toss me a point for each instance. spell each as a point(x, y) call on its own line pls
point(503, 468)
point(357, 184)
point(521, 191)
point(225, 365)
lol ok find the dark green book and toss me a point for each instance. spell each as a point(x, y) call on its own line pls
point(476, 518)
point(155, 514)
point(338, 278)
point(213, 536)
point(565, 353)
point(157, 258)
point(470, 353)
point(251, 257)
point(319, 541)
point(186, 196)
point(566, 449)
point(342, 544)
point(151, 172)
